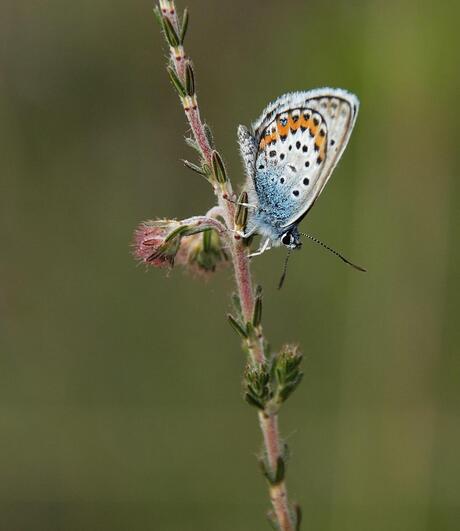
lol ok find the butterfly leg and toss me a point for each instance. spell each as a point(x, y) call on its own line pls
point(238, 203)
point(261, 250)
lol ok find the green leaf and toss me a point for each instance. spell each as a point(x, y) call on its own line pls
point(185, 20)
point(241, 214)
point(158, 16)
point(189, 79)
point(191, 142)
point(194, 167)
point(280, 471)
point(287, 389)
point(285, 373)
point(237, 326)
point(253, 401)
point(207, 235)
point(176, 232)
point(272, 520)
point(209, 136)
point(298, 516)
point(237, 305)
point(250, 330)
point(176, 82)
point(218, 168)
point(257, 384)
point(264, 468)
point(170, 33)
point(257, 314)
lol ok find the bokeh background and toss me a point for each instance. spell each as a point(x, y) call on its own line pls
point(120, 390)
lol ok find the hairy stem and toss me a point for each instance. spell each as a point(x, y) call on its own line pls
point(273, 447)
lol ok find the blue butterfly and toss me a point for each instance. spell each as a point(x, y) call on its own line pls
point(289, 156)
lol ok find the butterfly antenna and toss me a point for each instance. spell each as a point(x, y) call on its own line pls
point(313, 239)
point(283, 276)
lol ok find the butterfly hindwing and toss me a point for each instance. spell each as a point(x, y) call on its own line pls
point(297, 142)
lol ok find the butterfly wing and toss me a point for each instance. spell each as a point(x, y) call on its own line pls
point(297, 142)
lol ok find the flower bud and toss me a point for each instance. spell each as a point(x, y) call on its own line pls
point(155, 242)
point(202, 254)
point(194, 243)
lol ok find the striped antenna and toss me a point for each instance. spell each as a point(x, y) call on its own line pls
point(313, 239)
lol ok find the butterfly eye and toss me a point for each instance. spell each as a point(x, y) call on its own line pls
point(286, 239)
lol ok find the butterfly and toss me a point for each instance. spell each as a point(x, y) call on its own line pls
point(289, 155)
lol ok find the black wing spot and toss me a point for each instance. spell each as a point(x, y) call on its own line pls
point(261, 167)
point(296, 193)
point(272, 153)
point(307, 164)
point(305, 149)
point(306, 181)
point(290, 147)
point(332, 142)
point(316, 121)
point(319, 160)
point(282, 156)
point(298, 144)
point(282, 180)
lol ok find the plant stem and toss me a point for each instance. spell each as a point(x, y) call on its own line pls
point(273, 447)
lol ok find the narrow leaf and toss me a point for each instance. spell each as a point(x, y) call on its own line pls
point(257, 315)
point(176, 232)
point(170, 33)
point(237, 304)
point(252, 401)
point(183, 31)
point(237, 326)
point(264, 468)
point(194, 168)
point(209, 135)
point(280, 471)
point(241, 214)
point(250, 330)
point(298, 516)
point(176, 82)
point(218, 168)
point(273, 521)
point(207, 235)
point(158, 16)
point(191, 142)
point(189, 80)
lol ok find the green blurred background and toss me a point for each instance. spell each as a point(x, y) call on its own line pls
point(120, 393)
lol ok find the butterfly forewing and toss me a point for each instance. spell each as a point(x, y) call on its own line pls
point(301, 137)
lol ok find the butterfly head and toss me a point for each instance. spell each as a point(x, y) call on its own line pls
point(291, 238)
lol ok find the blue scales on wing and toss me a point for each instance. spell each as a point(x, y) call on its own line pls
point(290, 155)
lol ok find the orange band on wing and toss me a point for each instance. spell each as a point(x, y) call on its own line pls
point(294, 125)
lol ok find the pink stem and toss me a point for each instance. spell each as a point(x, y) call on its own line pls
point(193, 116)
point(278, 492)
point(268, 423)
